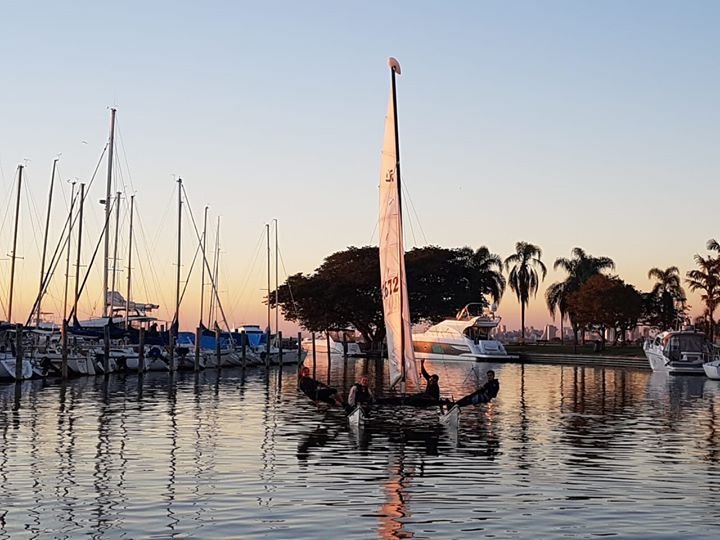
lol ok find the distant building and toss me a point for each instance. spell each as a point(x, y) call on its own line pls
point(549, 333)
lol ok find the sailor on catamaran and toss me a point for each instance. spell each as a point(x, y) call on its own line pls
point(429, 398)
point(360, 394)
point(316, 390)
point(484, 394)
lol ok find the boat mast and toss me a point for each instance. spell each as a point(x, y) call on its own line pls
point(177, 279)
point(115, 246)
point(129, 267)
point(111, 147)
point(267, 234)
point(67, 259)
point(77, 264)
point(13, 256)
point(395, 67)
point(277, 325)
point(212, 310)
point(202, 276)
point(44, 251)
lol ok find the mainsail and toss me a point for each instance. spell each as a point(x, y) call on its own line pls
point(393, 283)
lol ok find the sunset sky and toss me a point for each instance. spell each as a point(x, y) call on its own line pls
point(559, 123)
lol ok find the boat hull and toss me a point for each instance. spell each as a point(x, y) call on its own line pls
point(712, 369)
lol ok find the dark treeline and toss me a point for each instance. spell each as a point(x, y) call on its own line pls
point(345, 290)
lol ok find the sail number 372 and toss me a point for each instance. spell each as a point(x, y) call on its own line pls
point(390, 286)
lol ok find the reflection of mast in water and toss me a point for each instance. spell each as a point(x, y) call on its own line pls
point(102, 465)
point(65, 450)
point(172, 465)
point(267, 447)
point(35, 473)
point(394, 510)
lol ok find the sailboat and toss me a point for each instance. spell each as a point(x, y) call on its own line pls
point(393, 280)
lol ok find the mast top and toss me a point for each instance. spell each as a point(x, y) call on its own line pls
point(394, 65)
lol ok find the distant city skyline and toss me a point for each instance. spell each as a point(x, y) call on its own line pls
point(560, 124)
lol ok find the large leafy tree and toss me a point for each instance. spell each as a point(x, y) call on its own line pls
point(345, 290)
point(604, 302)
point(668, 296)
point(706, 279)
point(580, 267)
point(523, 278)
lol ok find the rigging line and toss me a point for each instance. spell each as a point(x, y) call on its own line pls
point(124, 152)
point(412, 206)
point(409, 221)
point(36, 226)
point(92, 260)
point(207, 266)
point(146, 246)
point(292, 297)
point(258, 247)
point(189, 275)
point(62, 241)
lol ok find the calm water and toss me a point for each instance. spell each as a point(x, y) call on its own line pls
point(562, 453)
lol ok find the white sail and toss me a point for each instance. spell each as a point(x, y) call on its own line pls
point(393, 283)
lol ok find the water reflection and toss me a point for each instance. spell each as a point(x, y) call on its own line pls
point(563, 451)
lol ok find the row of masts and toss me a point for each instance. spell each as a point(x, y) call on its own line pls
point(109, 274)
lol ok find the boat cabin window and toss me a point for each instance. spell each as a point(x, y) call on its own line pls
point(685, 343)
point(478, 333)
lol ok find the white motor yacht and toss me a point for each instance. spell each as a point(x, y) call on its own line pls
point(679, 352)
point(336, 347)
point(466, 337)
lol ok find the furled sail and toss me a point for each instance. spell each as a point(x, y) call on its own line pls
point(393, 283)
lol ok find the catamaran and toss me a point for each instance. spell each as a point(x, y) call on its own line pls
point(393, 281)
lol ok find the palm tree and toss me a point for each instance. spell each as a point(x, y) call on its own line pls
point(707, 280)
point(488, 272)
point(579, 268)
point(713, 245)
point(523, 277)
point(668, 290)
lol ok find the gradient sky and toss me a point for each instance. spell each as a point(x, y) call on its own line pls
point(559, 123)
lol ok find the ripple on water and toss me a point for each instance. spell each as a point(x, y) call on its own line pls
point(563, 452)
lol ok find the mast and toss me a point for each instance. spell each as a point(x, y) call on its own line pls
point(202, 276)
point(277, 325)
point(267, 234)
point(111, 148)
point(13, 257)
point(395, 67)
point(114, 268)
point(216, 263)
point(67, 259)
point(129, 266)
point(177, 279)
point(77, 264)
point(45, 239)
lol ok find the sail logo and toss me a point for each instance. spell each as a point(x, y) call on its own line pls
point(390, 175)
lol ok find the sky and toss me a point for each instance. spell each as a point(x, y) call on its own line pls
point(558, 123)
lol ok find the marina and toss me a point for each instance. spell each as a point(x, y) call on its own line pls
point(573, 452)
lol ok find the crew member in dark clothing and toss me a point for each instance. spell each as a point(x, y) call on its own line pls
point(360, 393)
point(316, 390)
point(486, 392)
point(432, 390)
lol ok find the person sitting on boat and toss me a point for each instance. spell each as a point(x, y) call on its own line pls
point(316, 390)
point(428, 398)
point(360, 394)
point(484, 394)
